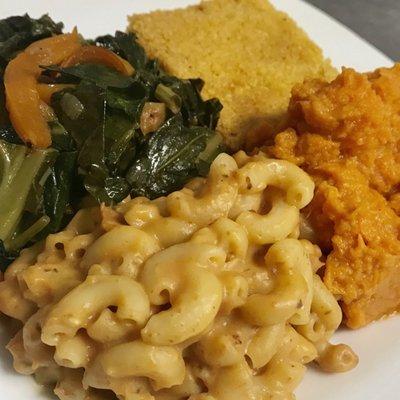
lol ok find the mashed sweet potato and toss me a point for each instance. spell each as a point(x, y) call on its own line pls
point(346, 134)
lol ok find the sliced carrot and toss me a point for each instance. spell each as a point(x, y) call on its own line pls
point(46, 90)
point(20, 81)
point(99, 55)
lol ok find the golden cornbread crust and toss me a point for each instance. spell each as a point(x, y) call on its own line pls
point(249, 54)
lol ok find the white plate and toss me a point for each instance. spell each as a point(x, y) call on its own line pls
point(377, 376)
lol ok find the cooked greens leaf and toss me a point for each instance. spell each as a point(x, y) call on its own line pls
point(119, 132)
point(8, 134)
point(103, 112)
point(18, 32)
point(167, 96)
point(104, 188)
point(57, 191)
point(131, 49)
point(104, 137)
point(128, 101)
point(98, 146)
point(61, 139)
point(91, 118)
point(126, 46)
point(6, 257)
point(195, 111)
point(116, 188)
point(169, 159)
point(22, 171)
point(98, 74)
point(205, 158)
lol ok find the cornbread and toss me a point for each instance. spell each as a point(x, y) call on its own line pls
point(346, 136)
point(249, 55)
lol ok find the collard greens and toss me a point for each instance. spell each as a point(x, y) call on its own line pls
point(98, 148)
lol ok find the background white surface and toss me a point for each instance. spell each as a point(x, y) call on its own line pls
point(374, 20)
point(378, 375)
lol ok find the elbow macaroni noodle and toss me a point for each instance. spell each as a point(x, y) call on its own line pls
point(206, 294)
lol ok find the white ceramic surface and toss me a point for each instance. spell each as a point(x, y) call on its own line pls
point(378, 375)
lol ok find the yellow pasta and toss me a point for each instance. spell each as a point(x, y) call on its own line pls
point(75, 352)
point(288, 299)
point(265, 344)
point(194, 293)
point(206, 294)
point(164, 365)
point(77, 309)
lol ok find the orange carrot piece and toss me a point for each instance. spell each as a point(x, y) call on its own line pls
point(20, 81)
point(46, 90)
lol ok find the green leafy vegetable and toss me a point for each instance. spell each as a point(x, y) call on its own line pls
point(6, 257)
point(21, 188)
point(124, 101)
point(126, 46)
point(23, 171)
point(115, 158)
point(168, 158)
point(98, 148)
point(167, 96)
point(57, 191)
point(102, 137)
point(18, 32)
point(98, 74)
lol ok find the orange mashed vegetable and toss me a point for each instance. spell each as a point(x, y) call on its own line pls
point(346, 135)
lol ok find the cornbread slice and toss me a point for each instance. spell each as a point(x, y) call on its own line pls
point(249, 54)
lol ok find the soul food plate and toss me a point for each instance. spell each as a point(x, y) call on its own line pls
point(378, 345)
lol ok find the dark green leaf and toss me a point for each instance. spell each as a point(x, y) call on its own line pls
point(105, 139)
point(58, 190)
point(206, 157)
point(168, 159)
point(131, 49)
point(61, 139)
point(130, 102)
point(98, 74)
point(119, 137)
point(23, 175)
point(96, 139)
point(6, 257)
point(8, 134)
point(34, 201)
point(92, 151)
point(119, 146)
point(18, 32)
point(126, 46)
point(117, 188)
point(92, 117)
point(116, 124)
point(104, 188)
point(195, 111)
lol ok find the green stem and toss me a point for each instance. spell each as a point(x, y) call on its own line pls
point(211, 150)
point(11, 159)
point(23, 238)
point(169, 97)
point(14, 195)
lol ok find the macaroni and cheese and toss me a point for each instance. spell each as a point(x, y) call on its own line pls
point(206, 294)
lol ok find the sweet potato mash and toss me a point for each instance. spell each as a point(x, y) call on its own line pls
point(346, 134)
